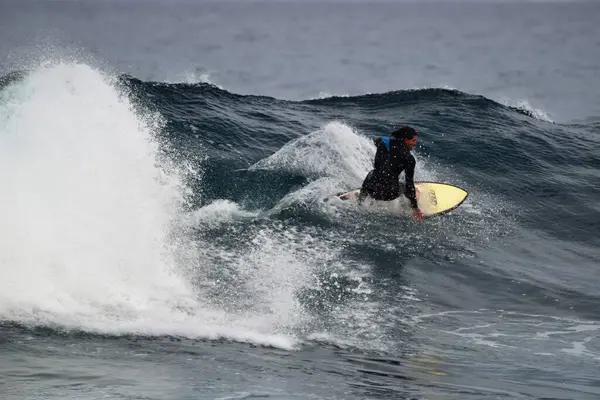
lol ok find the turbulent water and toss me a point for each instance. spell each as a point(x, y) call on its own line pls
point(170, 240)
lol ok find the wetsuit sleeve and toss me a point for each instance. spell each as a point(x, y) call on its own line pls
point(409, 176)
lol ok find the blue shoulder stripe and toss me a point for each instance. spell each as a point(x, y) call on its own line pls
point(386, 141)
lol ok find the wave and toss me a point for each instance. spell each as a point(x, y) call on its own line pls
point(91, 211)
point(184, 209)
point(387, 99)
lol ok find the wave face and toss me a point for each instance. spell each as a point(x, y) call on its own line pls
point(184, 210)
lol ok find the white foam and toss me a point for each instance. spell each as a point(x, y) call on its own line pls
point(313, 193)
point(219, 212)
point(580, 349)
point(339, 158)
point(87, 217)
point(335, 150)
point(326, 95)
point(194, 77)
point(274, 267)
point(524, 105)
point(522, 333)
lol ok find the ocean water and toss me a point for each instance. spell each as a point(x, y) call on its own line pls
point(164, 236)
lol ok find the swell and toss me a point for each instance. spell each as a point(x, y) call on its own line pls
point(502, 149)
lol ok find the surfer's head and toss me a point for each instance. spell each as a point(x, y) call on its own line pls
point(407, 134)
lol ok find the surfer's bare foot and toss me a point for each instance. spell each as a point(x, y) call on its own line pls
point(418, 215)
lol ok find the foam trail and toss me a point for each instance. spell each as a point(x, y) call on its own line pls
point(220, 212)
point(87, 216)
point(310, 194)
point(335, 151)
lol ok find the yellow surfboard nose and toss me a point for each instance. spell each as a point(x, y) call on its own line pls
point(436, 198)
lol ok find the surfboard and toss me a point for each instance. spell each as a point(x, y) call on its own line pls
point(433, 198)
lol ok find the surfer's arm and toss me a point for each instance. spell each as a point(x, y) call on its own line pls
point(409, 176)
point(410, 191)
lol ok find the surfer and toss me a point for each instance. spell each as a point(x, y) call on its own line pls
point(392, 157)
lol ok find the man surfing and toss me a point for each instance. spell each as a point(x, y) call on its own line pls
point(392, 157)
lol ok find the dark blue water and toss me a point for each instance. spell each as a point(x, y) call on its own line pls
point(164, 233)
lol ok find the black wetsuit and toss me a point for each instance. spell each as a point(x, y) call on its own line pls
point(382, 183)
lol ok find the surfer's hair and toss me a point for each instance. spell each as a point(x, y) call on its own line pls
point(404, 132)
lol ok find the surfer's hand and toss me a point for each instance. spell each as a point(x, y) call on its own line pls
point(417, 215)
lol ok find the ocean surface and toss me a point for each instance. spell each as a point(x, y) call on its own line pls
point(163, 167)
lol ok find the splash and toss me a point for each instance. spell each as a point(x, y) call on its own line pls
point(333, 150)
point(524, 107)
point(218, 213)
point(194, 77)
point(336, 156)
point(88, 217)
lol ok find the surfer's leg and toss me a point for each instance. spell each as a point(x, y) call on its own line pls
point(389, 192)
point(366, 188)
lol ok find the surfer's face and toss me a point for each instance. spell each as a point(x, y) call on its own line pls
point(410, 143)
